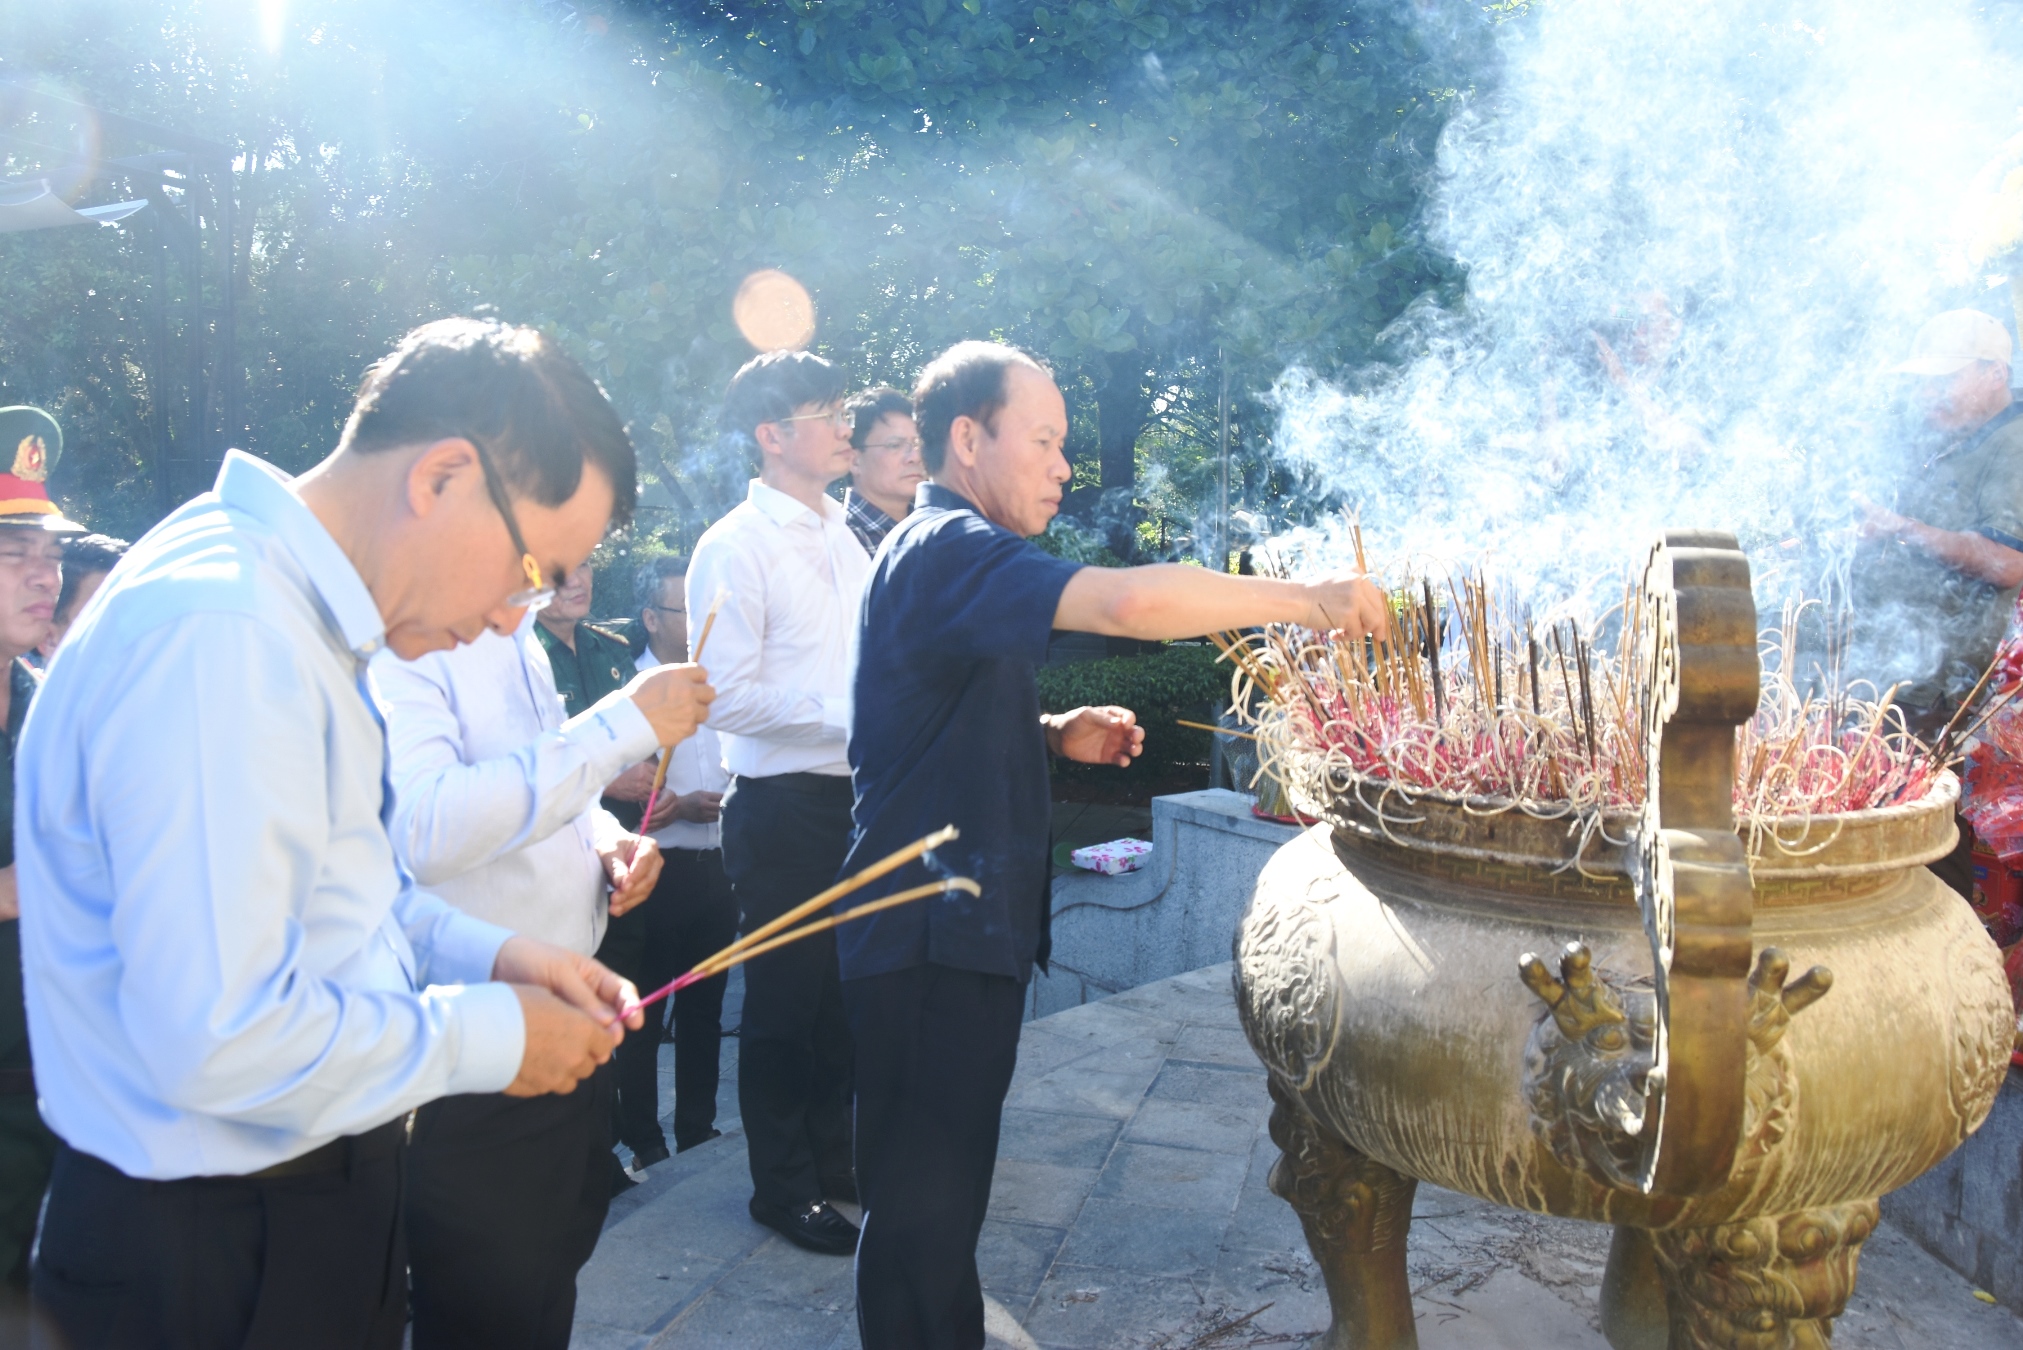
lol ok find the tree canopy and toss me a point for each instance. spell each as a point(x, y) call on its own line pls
point(1138, 190)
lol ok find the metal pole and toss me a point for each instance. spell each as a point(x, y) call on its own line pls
point(1222, 532)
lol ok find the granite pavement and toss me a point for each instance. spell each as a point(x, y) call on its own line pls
point(1130, 1213)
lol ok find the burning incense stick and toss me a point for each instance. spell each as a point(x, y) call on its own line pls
point(1426, 712)
point(855, 881)
point(667, 752)
point(1220, 731)
point(725, 959)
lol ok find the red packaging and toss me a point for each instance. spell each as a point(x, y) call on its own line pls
point(1998, 897)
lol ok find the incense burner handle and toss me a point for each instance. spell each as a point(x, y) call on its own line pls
point(1700, 675)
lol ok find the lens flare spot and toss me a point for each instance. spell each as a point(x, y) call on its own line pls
point(774, 311)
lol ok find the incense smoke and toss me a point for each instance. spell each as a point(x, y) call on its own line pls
point(1752, 206)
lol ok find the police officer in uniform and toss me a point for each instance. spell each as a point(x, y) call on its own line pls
point(31, 554)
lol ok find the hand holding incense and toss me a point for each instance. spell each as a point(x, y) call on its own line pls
point(667, 752)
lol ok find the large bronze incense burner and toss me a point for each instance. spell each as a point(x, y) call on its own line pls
point(1729, 1061)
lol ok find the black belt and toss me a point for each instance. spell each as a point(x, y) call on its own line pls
point(802, 782)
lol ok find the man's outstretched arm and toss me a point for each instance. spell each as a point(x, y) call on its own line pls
point(1168, 600)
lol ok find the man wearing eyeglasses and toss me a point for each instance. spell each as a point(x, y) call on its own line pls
point(885, 466)
point(236, 995)
point(788, 575)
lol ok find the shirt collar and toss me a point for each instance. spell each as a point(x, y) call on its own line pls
point(263, 492)
point(778, 507)
point(948, 499)
point(865, 507)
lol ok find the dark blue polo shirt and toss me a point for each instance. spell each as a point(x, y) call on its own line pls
point(946, 730)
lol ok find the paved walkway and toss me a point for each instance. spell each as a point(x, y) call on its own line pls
point(1130, 1211)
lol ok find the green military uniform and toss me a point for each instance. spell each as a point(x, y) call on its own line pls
point(30, 445)
point(27, 1147)
point(1941, 626)
point(601, 663)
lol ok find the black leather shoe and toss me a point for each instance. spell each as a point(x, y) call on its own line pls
point(643, 1158)
point(818, 1227)
point(681, 1146)
point(621, 1180)
point(842, 1188)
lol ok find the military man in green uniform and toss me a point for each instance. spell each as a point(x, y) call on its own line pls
point(32, 531)
point(589, 662)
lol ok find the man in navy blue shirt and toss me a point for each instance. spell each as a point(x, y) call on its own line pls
point(947, 729)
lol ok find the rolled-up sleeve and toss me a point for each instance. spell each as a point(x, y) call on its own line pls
point(452, 817)
point(213, 838)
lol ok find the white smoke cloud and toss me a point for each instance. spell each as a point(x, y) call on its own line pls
point(1755, 203)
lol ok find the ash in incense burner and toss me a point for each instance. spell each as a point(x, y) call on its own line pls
point(1727, 1056)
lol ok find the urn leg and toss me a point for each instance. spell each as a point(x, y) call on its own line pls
point(1356, 1214)
point(1773, 1283)
point(1633, 1294)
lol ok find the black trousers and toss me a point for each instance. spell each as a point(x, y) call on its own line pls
point(784, 839)
point(689, 915)
point(298, 1263)
point(506, 1196)
point(935, 1052)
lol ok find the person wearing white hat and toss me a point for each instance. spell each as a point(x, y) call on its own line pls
point(1952, 547)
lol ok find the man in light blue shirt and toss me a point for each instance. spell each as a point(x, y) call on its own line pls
point(235, 994)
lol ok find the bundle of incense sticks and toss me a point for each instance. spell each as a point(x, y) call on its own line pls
point(774, 935)
point(1471, 699)
point(667, 752)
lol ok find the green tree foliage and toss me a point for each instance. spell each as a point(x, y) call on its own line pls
point(1138, 190)
point(1180, 680)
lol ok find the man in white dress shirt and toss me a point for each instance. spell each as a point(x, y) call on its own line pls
point(690, 915)
point(236, 995)
point(495, 810)
point(790, 575)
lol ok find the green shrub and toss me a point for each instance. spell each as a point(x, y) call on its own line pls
point(1180, 680)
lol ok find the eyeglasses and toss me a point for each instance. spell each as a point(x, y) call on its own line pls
point(537, 592)
point(905, 447)
point(839, 420)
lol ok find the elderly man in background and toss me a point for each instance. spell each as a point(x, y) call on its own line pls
point(33, 533)
point(885, 464)
point(690, 915)
point(495, 810)
point(790, 574)
point(87, 560)
point(948, 730)
point(236, 995)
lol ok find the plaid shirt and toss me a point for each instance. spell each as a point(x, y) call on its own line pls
point(866, 521)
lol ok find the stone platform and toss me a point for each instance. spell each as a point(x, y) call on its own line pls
point(1130, 1211)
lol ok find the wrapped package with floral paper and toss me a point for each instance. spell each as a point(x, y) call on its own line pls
point(1111, 859)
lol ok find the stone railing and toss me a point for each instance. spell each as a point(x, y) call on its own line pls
point(1178, 912)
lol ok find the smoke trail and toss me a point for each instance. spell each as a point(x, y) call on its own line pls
point(1695, 236)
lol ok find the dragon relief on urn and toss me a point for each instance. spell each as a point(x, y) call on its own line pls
point(1589, 1060)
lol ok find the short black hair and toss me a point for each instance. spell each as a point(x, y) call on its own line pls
point(770, 386)
point(967, 380)
point(86, 555)
point(653, 574)
point(870, 407)
point(534, 409)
